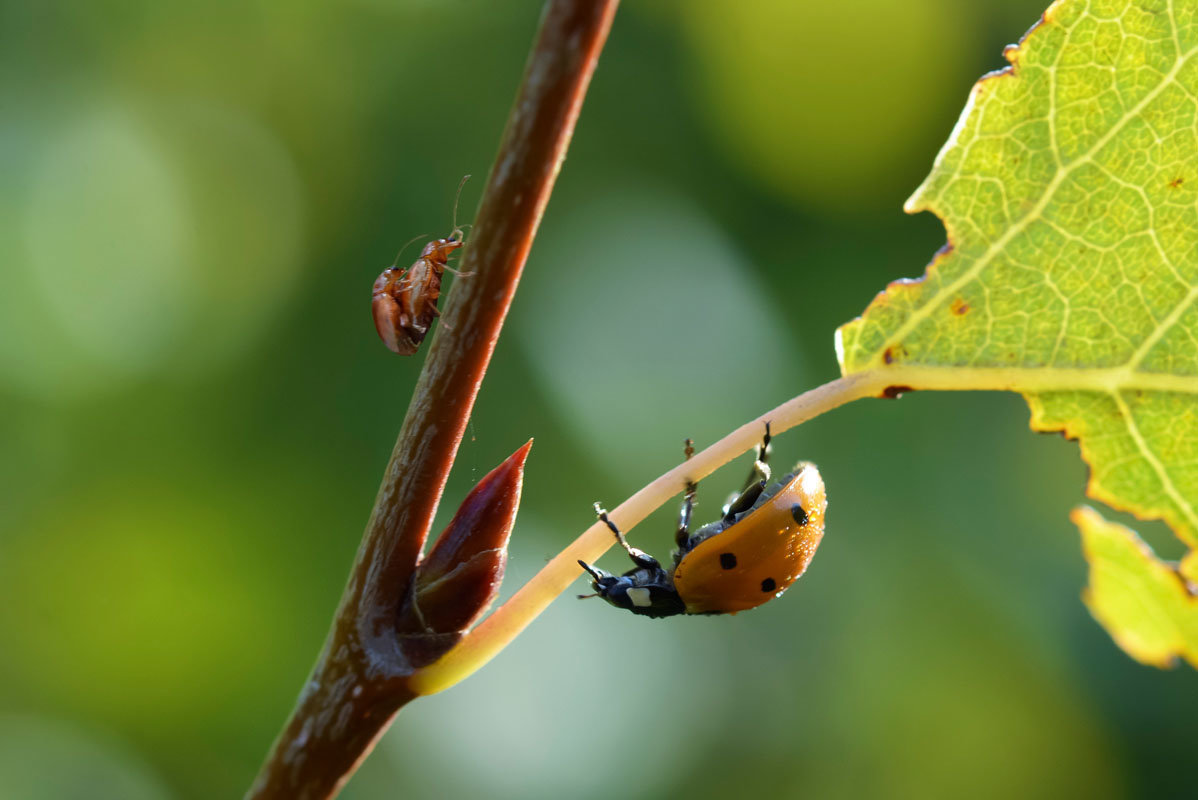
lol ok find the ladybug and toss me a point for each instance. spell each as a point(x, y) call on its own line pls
point(762, 544)
point(404, 301)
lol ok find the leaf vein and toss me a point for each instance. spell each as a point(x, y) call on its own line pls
point(1162, 473)
point(918, 315)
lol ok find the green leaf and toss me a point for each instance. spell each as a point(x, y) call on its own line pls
point(1069, 191)
point(1144, 603)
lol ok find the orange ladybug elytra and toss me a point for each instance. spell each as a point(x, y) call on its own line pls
point(762, 544)
point(404, 301)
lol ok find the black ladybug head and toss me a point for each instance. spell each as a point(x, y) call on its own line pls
point(612, 588)
point(603, 582)
point(643, 592)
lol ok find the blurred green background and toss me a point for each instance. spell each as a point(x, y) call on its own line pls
point(195, 410)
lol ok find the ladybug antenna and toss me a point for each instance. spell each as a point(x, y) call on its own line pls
point(395, 263)
point(594, 573)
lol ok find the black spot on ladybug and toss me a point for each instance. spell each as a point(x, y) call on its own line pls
point(728, 560)
point(768, 585)
point(799, 514)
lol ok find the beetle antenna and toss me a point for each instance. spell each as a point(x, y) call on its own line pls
point(395, 263)
point(594, 573)
point(457, 200)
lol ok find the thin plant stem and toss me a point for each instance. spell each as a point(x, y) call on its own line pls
point(495, 632)
point(358, 682)
point(482, 644)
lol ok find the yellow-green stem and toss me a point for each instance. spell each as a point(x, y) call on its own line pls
point(498, 630)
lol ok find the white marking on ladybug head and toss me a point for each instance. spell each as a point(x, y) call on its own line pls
point(640, 597)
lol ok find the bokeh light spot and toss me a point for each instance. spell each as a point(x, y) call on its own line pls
point(107, 238)
point(764, 85)
point(49, 760)
point(638, 314)
point(148, 238)
point(248, 201)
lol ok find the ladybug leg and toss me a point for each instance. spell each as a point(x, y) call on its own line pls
point(759, 476)
point(744, 501)
point(761, 464)
point(683, 535)
point(638, 556)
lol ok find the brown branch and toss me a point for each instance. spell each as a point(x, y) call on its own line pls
point(359, 681)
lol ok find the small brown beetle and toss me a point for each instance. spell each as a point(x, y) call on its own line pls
point(404, 301)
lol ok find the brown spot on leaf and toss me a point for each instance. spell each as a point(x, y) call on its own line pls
point(894, 353)
point(960, 307)
point(895, 392)
point(1178, 181)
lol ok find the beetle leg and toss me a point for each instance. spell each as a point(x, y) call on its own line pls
point(436, 312)
point(759, 476)
point(760, 472)
point(761, 465)
point(683, 535)
point(638, 556)
point(745, 501)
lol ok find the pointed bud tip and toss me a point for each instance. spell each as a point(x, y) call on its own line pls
point(510, 471)
point(457, 581)
point(516, 460)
